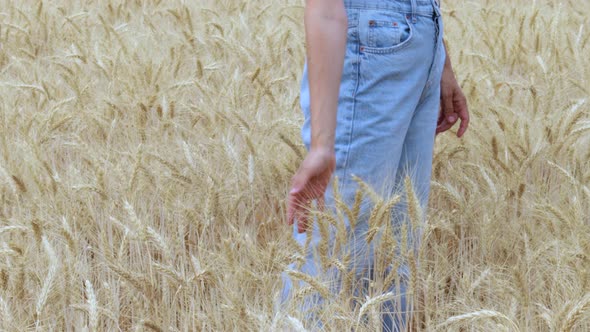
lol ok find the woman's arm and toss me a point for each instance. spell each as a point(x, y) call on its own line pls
point(326, 31)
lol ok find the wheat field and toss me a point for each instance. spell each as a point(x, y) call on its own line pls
point(146, 148)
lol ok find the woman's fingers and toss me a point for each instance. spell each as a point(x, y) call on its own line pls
point(321, 203)
point(299, 202)
point(461, 109)
point(291, 208)
point(444, 126)
point(302, 221)
point(309, 183)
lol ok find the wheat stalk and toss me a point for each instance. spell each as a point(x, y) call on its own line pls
point(476, 315)
point(49, 279)
point(92, 305)
point(6, 318)
point(296, 324)
point(313, 282)
point(372, 302)
point(575, 314)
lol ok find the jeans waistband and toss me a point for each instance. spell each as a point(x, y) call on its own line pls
point(414, 7)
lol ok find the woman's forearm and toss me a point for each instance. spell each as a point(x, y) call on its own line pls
point(447, 56)
point(325, 31)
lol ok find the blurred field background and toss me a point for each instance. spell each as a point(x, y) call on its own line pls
point(146, 149)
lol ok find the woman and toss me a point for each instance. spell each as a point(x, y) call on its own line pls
point(376, 89)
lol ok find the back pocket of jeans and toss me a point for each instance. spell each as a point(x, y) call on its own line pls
point(385, 31)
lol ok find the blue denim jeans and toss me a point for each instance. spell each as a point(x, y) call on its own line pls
point(387, 114)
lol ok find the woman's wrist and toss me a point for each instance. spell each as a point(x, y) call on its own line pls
point(323, 143)
point(447, 56)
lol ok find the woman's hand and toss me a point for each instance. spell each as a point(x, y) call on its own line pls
point(453, 105)
point(309, 183)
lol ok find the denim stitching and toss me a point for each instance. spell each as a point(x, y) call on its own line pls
point(395, 48)
point(394, 26)
point(356, 75)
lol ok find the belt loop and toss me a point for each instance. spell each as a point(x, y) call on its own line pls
point(414, 11)
point(436, 5)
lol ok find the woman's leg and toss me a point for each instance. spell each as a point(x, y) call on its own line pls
point(416, 164)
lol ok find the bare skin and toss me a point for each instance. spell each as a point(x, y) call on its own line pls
point(452, 102)
point(325, 27)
